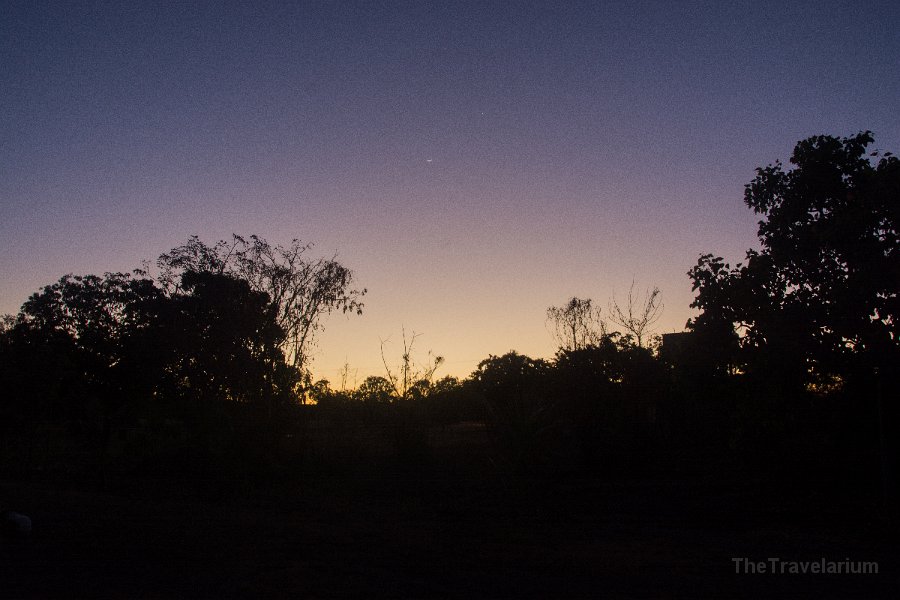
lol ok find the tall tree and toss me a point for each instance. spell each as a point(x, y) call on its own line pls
point(410, 379)
point(303, 290)
point(638, 315)
point(224, 341)
point(822, 291)
point(576, 325)
point(87, 322)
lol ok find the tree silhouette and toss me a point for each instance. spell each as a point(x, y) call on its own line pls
point(638, 315)
point(304, 291)
point(375, 389)
point(93, 321)
point(99, 353)
point(576, 324)
point(410, 379)
point(517, 409)
point(822, 292)
point(225, 341)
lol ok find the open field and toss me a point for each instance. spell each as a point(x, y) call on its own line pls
point(451, 537)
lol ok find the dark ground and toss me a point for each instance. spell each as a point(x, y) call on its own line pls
point(453, 537)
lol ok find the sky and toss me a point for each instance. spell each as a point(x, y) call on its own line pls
point(472, 163)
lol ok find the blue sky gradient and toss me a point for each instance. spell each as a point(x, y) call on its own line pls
point(473, 163)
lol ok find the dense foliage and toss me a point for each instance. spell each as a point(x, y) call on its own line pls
point(200, 371)
point(820, 297)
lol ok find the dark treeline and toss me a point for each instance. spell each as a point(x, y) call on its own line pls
point(199, 372)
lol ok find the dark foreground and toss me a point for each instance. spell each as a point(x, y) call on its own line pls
point(454, 537)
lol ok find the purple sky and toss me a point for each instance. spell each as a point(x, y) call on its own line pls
point(473, 164)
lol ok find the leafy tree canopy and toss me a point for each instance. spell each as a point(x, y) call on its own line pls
point(302, 290)
point(822, 291)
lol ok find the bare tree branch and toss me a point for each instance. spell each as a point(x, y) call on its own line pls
point(303, 291)
point(409, 375)
point(638, 316)
point(576, 325)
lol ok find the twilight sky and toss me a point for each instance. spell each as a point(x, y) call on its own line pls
point(473, 163)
